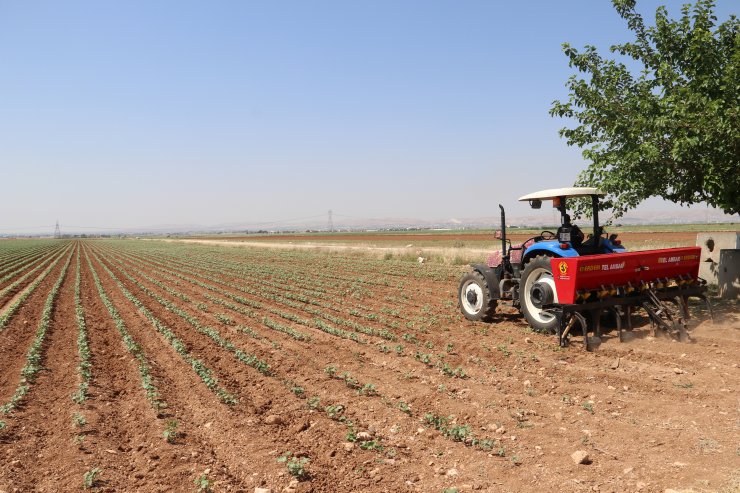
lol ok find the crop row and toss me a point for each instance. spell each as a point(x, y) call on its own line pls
point(173, 307)
point(13, 267)
point(175, 277)
point(34, 354)
point(10, 311)
point(205, 374)
point(9, 288)
point(84, 367)
point(166, 272)
point(246, 358)
point(296, 301)
point(393, 317)
point(317, 323)
point(18, 251)
point(142, 362)
point(160, 278)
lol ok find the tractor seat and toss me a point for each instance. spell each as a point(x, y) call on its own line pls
point(517, 251)
point(570, 233)
point(593, 245)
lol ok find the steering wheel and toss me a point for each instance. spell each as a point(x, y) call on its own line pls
point(548, 235)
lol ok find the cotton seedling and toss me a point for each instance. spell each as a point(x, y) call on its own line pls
point(90, 478)
point(170, 432)
point(368, 389)
point(334, 411)
point(296, 466)
point(202, 483)
point(314, 401)
point(78, 420)
point(404, 407)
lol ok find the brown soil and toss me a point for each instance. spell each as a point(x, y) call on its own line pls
point(651, 413)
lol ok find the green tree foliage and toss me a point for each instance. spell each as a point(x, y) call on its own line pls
point(663, 119)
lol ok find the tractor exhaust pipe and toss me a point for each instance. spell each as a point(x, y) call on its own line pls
point(503, 233)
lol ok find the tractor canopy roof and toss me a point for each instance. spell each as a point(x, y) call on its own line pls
point(553, 193)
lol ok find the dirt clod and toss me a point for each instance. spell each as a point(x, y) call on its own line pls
point(292, 487)
point(580, 457)
point(364, 436)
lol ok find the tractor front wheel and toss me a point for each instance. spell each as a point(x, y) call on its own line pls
point(475, 299)
point(537, 270)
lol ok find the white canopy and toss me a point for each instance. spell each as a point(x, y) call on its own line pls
point(562, 192)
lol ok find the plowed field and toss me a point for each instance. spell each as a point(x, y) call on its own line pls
point(158, 366)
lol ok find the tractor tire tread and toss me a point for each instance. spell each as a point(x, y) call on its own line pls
point(488, 309)
point(541, 261)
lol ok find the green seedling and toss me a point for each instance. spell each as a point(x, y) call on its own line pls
point(170, 432)
point(90, 477)
point(404, 407)
point(203, 483)
point(78, 420)
point(296, 466)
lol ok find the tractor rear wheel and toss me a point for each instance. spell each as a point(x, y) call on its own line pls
point(474, 297)
point(537, 270)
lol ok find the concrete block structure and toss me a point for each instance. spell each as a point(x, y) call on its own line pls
point(729, 274)
point(711, 244)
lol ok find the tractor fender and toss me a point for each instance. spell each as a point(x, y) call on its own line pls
point(549, 248)
point(612, 248)
point(491, 278)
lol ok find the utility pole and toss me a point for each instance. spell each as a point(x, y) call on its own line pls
point(331, 223)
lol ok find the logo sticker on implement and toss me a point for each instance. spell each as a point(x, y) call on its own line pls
point(563, 267)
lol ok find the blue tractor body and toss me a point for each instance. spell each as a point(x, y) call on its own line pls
point(553, 248)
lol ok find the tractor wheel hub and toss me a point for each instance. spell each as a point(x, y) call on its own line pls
point(472, 297)
point(541, 294)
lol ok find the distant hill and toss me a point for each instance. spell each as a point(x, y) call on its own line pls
point(540, 218)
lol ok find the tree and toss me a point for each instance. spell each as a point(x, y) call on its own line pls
point(672, 130)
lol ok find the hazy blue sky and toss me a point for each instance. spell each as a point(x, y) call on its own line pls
point(138, 113)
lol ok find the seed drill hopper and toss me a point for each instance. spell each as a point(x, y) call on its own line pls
point(566, 280)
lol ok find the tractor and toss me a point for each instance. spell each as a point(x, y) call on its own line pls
point(560, 279)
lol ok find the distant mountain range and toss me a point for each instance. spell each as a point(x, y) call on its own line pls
point(541, 218)
point(687, 216)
